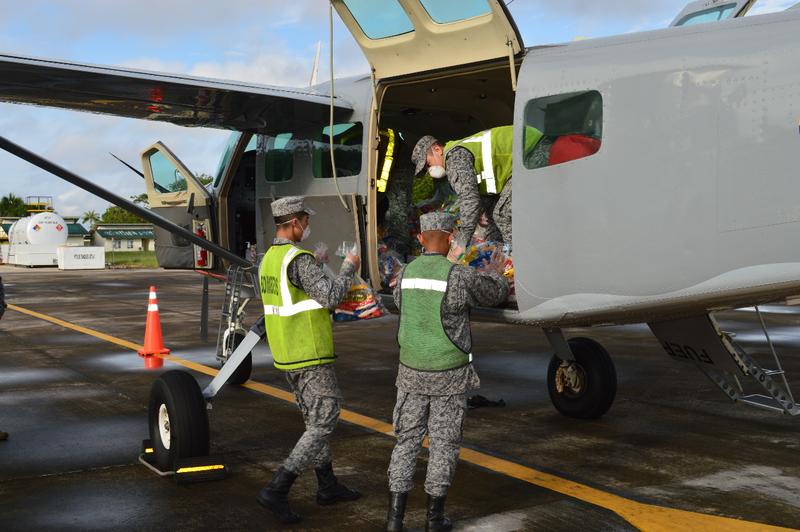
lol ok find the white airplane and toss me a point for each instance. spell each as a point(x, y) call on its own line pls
point(687, 204)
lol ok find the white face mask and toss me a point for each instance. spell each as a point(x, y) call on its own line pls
point(437, 172)
point(306, 233)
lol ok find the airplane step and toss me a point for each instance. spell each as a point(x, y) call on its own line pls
point(762, 401)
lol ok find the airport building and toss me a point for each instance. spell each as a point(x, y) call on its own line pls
point(124, 237)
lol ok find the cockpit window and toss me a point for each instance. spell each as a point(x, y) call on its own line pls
point(713, 14)
point(447, 11)
point(347, 148)
point(166, 175)
point(570, 125)
point(379, 20)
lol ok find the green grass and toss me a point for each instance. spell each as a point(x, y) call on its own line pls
point(132, 259)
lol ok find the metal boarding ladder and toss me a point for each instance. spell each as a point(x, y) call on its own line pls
point(780, 398)
point(240, 288)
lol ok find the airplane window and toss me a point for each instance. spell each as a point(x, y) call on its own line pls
point(347, 146)
point(379, 20)
point(165, 174)
point(226, 156)
point(447, 11)
point(713, 14)
point(562, 128)
point(278, 156)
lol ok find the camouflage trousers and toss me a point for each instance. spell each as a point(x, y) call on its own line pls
point(319, 404)
point(498, 211)
point(442, 418)
point(398, 213)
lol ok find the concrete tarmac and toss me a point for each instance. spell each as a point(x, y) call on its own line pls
point(672, 452)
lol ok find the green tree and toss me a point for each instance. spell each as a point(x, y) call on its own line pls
point(141, 199)
point(205, 179)
point(118, 215)
point(11, 205)
point(90, 217)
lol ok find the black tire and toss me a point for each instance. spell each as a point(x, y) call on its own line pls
point(245, 369)
point(598, 381)
point(186, 417)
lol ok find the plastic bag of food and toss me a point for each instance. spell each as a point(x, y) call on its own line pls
point(479, 255)
point(360, 303)
point(347, 248)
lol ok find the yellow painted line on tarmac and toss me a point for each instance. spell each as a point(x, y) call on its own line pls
point(647, 517)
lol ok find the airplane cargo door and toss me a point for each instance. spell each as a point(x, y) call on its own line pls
point(176, 194)
point(411, 36)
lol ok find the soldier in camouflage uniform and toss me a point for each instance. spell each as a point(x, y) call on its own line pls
point(435, 371)
point(395, 180)
point(297, 298)
point(479, 170)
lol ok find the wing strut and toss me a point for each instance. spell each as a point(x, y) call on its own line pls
point(147, 214)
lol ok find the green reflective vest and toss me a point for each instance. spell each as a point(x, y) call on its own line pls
point(492, 150)
point(424, 344)
point(299, 329)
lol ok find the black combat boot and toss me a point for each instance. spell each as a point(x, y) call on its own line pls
point(397, 510)
point(275, 496)
point(329, 490)
point(437, 521)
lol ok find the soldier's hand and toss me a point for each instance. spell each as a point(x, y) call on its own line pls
point(355, 260)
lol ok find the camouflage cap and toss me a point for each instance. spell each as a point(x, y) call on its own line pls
point(437, 221)
point(420, 154)
point(290, 205)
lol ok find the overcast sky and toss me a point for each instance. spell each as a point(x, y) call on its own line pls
point(262, 41)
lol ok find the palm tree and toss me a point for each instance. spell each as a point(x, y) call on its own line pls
point(11, 205)
point(92, 217)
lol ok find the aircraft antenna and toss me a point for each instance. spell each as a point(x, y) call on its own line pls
point(330, 131)
point(315, 68)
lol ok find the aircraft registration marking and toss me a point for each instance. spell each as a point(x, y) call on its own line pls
point(643, 516)
point(687, 352)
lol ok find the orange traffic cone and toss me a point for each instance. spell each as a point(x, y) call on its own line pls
point(153, 341)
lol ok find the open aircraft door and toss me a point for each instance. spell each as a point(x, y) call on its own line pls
point(401, 37)
point(176, 194)
point(703, 11)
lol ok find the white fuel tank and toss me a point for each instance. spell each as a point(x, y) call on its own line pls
point(43, 229)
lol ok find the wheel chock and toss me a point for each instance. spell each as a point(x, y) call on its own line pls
point(187, 470)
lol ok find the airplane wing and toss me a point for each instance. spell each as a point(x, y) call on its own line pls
point(181, 100)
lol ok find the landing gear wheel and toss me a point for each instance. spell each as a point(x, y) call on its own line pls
point(245, 369)
point(585, 388)
point(178, 419)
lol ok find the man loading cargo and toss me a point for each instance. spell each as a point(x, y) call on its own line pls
point(395, 181)
point(297, 298)
point(435, 371)
point(479, 170)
